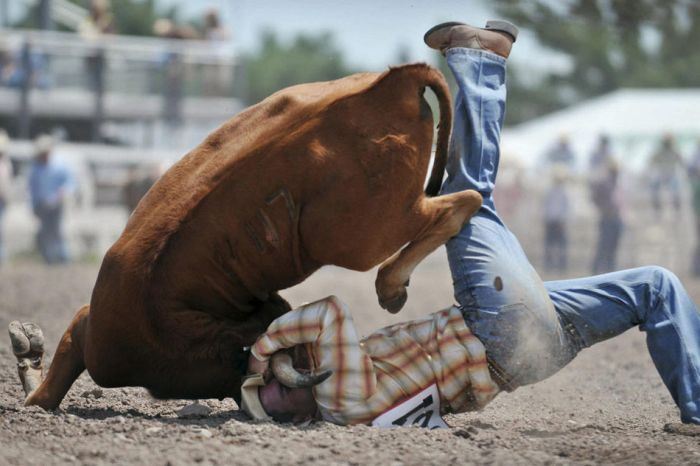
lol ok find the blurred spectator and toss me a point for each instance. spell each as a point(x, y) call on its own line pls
point(173, 68)
point(664, 167)
point(557, 209)
point(15, 68)
point(599, 165)
point(601, 157)
point(509, 191)
point(606, 198)
point(561, 154)
point(213, 31)
point(99, 21)
point(694, 178)
point(5, 180)
point(138, 184)
point(217, 78)
point(167, 29)
point(7, 65)
point(50, 183)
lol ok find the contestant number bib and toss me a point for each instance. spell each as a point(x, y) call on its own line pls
point(422, 409)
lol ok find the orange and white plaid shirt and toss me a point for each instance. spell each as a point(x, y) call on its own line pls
point(372, 375)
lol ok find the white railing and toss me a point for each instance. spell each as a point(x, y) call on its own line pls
point(107, 71)
point(63, 12)
point(203, 52)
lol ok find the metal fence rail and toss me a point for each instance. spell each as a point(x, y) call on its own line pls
point(127, 68)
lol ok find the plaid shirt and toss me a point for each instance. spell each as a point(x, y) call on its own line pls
point(372, 375)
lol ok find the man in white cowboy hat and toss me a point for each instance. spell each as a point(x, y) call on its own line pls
point(510, 329)
point(5, 182)
point(50, 183)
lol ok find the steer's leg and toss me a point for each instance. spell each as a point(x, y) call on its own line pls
point(445, 217)
point(67, 365)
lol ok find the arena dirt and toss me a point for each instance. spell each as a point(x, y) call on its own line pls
point(608, 406)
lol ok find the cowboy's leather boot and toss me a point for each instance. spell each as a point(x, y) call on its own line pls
point(497, 37)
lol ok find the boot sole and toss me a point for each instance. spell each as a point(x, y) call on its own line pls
point(503, 26)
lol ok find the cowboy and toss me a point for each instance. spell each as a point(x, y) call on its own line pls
point(436, 361)
point(510, 328)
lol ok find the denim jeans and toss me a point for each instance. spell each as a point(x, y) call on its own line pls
point(532, 329)
point(49, 238)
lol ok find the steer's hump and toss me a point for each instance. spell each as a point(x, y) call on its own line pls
point(174, 197)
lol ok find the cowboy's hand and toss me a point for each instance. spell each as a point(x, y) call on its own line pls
point(256, 366)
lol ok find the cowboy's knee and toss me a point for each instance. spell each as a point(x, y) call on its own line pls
point(660, 278)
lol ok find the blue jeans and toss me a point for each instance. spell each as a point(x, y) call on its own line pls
point(532, 329)
point(49, 238)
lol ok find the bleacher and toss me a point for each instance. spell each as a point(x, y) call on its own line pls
point(86, 84)
point(122, 104)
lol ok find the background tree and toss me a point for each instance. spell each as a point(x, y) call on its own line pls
point(136, 17)
point(278, 64)
point(610, 44)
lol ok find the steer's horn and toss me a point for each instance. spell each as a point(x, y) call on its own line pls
point(281, 365)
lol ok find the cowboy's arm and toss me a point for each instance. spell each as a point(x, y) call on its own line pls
point(327, 325)
point(305, 324)
point(343, 398)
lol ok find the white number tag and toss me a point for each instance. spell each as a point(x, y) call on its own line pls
point(422, 409)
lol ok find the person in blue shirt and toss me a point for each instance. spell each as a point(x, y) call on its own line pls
point(561, 154)
point(50, 182)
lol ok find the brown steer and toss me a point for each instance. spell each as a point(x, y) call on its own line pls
point(321, 173)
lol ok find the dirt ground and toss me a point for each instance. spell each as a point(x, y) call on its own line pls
point(608, 406)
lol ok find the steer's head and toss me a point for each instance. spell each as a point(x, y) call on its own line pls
point(285, 397)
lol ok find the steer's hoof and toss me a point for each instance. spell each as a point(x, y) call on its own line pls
point(27, 339)
point(395, 303)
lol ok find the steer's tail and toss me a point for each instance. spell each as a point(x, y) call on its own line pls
point(418, 76)
point(434, 79)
